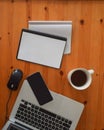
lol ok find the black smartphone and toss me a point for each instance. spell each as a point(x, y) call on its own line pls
point(39, 88)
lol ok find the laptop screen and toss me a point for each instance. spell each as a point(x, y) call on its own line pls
point(14, 127)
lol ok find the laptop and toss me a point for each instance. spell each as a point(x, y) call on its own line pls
point(62, 113)
point(41, 48)
point(59, 28)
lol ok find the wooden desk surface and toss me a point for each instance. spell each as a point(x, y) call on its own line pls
point(87, 52)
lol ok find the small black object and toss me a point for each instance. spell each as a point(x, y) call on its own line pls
point(39, 88)
point(14, 79)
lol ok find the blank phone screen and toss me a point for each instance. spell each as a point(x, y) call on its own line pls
point(39, 88)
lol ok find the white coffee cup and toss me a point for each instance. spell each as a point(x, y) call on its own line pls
point(80, 78)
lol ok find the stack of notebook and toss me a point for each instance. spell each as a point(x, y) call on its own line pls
point(45, 42)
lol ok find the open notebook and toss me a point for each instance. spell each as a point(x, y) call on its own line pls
point(41, 48)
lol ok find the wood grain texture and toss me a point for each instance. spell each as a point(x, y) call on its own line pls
point(87, 51)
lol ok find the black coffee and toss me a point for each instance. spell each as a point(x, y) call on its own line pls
point(78, 78)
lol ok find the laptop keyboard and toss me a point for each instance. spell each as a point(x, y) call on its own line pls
point(40, 118)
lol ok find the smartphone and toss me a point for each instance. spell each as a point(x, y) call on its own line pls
point(39, 88)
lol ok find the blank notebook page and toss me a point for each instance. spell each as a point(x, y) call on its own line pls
point(42, 49)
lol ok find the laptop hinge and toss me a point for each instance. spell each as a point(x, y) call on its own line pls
point(12, 119)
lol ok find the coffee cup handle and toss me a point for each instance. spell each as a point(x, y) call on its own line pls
point(91, 71)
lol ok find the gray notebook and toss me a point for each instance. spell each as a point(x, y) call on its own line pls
point(60, 28)
point(41, 48)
